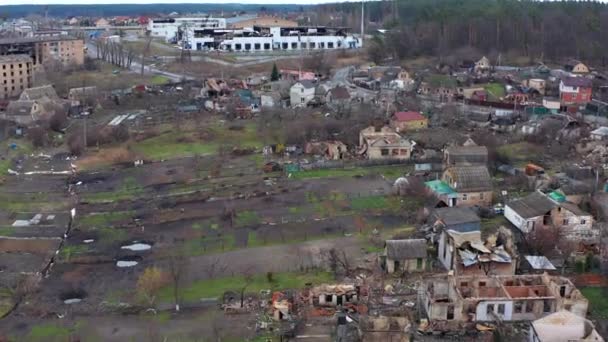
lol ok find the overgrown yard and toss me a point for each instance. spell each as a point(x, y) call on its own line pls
point(520, 153)
point(214, 288)
point(495, 90)
point(107, 77)
point(180, 143)
point(389, 171)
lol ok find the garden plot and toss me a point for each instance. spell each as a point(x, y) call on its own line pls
point(39, 224)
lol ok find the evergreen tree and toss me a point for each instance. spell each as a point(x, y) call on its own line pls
point(274, 76)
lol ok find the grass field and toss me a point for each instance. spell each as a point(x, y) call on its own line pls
point(174, 144)
point(214, 288)
point(598, 301)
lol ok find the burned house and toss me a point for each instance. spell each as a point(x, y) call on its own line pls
point(332, 150)
point(334, 295)
point(500, 298)
point(407, 255)
point(281, 305)
point(384, 143)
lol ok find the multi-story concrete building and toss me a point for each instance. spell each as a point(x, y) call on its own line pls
point(15, 75)
point(259, 39)
point(170, 28)
point(64, 49)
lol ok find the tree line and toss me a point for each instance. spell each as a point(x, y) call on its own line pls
point(540, 30)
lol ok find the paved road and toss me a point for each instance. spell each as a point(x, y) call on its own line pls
point(136, 67)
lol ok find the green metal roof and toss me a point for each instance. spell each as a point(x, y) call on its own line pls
point(440, 187)
point(557, 196)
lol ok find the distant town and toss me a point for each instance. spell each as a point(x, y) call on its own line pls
point(378, 171)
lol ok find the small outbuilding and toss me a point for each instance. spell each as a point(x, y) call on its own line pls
point(409, 255)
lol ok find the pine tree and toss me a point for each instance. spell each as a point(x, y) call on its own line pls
point(274, 76)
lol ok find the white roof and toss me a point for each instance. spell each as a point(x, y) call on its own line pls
point(539, 262)
point(601, 131)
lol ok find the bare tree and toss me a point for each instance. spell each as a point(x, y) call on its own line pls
point(247, 280)
point(178, 264)
point(214, 266)
point(337, 261)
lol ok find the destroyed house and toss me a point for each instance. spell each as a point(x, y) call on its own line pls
point(500, 298)
point(462, 250)
point(383, 143)
point(334, 295)
point(408, 255)
point(465, 156)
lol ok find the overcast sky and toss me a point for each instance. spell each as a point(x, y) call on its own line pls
point(97, 2)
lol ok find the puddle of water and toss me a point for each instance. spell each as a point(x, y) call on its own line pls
point(72, 301)
point(88, 240)
point(137, 246)
point(126, 263)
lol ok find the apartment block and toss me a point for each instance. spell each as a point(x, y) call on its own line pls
point(46, 49)
point(15, 75)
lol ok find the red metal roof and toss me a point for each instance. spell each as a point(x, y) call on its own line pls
point(408, 116)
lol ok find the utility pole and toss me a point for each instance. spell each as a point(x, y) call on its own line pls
point(145, 52)
point(362, 21)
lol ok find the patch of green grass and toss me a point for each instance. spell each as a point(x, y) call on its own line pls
point(162, 317)
point(104, 219)
point(491, 225)
point(49, 332)
point(496, 90)
point(293, 210)
point(6, 301)
point(7, 231)
point(201, 246)
point(438, 80)
point(598, 301)
point(30, 202)
point(368, 202)
point(159, 80)
point(373, 249)
point(72, 250)
point(173, 145)
point(214, 288)
point(246, 218)
point(110, 235)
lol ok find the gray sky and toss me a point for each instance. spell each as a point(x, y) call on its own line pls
point(84, 2)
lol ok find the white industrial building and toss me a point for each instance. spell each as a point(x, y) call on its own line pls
point(170, 27)
point(271, 38)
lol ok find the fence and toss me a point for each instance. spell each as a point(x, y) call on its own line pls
point(341, 164)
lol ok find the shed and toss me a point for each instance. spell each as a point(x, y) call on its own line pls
point(407, 255)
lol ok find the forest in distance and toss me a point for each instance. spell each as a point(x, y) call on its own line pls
point(540, 30)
